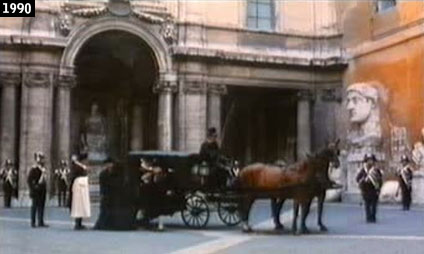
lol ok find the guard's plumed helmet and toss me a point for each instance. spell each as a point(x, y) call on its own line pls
point(370, 156)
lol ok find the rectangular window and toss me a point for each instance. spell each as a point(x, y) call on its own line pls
point(260, 14)
point(382, 5)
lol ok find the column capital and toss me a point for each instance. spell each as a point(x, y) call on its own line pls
point(194, 87)
point(66, 81)
point(217, 89)
point(165, 86)
point(9, 78)
point(331, 95)
point(37, 79)
point(305, 95)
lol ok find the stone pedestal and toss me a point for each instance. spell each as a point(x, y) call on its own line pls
point(9, 82)
point(418, 187)
point(303, 124)
point(36, 124)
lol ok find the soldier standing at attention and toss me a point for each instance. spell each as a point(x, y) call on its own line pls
point(62, 184)
point(9, 176)
point(405, 181)
point(370, 179)
point(37, 182)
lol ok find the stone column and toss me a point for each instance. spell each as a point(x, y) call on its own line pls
point(63, 116)
point(9, 82)
point(303, 124)
point(165, 90)
point(192, 114)
point(36, 124)
point(215, 92)
point(137, 128)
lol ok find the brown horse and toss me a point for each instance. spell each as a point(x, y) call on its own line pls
point(300, 182)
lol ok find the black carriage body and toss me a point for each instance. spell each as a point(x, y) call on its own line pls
point(185, 188)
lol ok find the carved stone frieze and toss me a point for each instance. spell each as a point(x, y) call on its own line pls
point(10, 78)
point(37, 79)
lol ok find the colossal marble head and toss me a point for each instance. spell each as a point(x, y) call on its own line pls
point(362, 101)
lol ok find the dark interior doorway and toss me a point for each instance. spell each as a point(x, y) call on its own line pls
point(259, 124)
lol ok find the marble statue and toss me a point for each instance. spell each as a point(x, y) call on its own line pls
point(364, 103)
point(371, 131)
point(95, 139)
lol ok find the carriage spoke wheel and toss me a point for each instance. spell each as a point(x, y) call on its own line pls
point(196, 212)
point(228, 213)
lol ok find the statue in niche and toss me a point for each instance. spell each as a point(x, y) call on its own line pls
point(94, 138)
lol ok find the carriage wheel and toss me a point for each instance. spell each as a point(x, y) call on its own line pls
point(196, 212)
point(228, 213)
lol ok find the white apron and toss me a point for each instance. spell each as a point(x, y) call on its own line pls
point(80, 198)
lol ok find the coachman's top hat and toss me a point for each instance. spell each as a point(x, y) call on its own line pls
point(212, 132)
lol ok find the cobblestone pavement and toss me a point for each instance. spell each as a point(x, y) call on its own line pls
point(396, 232)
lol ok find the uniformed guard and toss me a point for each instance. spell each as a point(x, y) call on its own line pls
point(9, 176)
point(369, 179)
point(404, 174)
point(62, 182)
point(37, 182)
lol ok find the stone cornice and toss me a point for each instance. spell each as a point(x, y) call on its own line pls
point(290, 57)
point(10, 78)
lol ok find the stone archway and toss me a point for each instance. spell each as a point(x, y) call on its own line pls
point(163, 81)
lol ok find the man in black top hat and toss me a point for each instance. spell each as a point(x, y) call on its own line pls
point(37, 182)
point(370, 179)
point(405, 181)
point(210, 152)
point(9, 175)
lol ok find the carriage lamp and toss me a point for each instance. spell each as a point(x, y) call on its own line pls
point(204, 169)
point(195, 170)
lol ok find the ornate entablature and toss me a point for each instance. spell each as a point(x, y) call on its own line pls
point(149, 12)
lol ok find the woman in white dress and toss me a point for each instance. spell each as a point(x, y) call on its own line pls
point(80, 193)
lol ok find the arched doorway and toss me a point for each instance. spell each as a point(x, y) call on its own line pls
point(114, 108)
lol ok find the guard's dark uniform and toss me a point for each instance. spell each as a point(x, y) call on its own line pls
point(9, 176)
point(37, 182)
point(405, 182)
point(62, 184)
point(370, 181)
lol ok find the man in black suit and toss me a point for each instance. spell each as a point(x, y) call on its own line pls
point(37, 182)
point(370, 179)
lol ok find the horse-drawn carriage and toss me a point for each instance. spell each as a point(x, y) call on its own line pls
point(188, 185)
point(185, 184)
